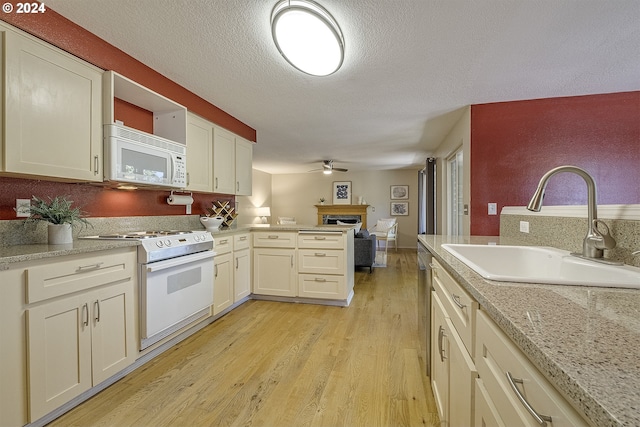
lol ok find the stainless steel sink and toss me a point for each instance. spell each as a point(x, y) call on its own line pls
point(535, 264)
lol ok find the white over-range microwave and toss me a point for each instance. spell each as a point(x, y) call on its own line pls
point(141, 159)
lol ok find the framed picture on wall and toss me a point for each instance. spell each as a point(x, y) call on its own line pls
point(399, 208)
point(342, 192)
point(399, 192)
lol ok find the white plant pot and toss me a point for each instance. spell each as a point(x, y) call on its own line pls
point(60, 234)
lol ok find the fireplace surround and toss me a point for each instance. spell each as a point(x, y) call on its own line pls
point(328, 214)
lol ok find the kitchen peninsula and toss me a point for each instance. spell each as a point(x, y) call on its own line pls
point(87, 292)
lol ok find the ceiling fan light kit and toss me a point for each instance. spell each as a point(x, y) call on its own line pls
point(307, 36)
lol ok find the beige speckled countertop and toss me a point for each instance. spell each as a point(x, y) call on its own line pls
point(19, 253)
point(585, 340)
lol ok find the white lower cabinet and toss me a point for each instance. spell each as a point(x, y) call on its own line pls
point(516, 392)
point(479, 376)
point(223, 282)
point(453, 370)
point(79, 326)
point(241, 274)
point(274, 272)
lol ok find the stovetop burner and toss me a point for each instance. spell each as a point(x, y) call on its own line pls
point(144, 234)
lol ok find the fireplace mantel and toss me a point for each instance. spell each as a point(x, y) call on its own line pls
point(343, 210)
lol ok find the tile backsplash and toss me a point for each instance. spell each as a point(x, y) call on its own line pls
point(568, 233)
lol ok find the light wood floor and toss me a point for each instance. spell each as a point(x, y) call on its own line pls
point(283, 364)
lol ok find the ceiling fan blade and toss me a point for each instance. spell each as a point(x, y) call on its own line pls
point(340, 169)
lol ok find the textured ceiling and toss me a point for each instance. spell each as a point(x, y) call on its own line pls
point(410, 66)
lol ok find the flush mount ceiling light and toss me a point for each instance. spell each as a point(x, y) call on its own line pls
point(307, 36)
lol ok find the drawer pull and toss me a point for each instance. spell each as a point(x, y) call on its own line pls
point(320, 254)
point(85, 314)
point(441, 335)
point(271, 236)
point(243, 237)
point(320, 279)
point(84, 268)
point(224, 242)
point(320, 238)
point(456, 301)
point(96, 306)
point(540, 419)
point(215, 270)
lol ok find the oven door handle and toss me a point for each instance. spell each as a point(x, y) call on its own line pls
point(175, 262)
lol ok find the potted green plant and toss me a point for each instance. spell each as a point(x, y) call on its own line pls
point(322, 200)
point(59, 215)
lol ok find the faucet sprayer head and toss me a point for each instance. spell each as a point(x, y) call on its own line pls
point(535, 204)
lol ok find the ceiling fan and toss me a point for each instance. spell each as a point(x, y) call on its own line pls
point(328, 168)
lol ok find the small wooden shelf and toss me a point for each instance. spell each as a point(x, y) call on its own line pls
point(225, 210)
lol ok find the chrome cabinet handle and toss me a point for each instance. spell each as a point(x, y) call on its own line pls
point(441, 335)
point(216, 182)
point(291, 260)
point(224, 242)
point(456, 300)
point(320, 279)
point(96, 306)
point(85, 314)
point(237, 186)
point(188, 178)
point(84, 268)
point(540, 419)
point(236, 263)
point(271, 236)
point(319, 237)
point(96, 165)
point(243, 238)
point(320, 254)
point(215, 270)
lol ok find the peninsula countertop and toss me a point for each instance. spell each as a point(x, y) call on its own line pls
point(30, 252)
point(585, 340)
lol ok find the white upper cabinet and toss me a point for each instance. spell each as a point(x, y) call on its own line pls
point(244, 162)
point(224, 161)
point(199, 154)
point(52, 111)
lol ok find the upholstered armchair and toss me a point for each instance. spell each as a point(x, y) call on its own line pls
point(386, 229)
point(364, 250)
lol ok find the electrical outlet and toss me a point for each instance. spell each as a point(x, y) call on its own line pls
point(493, 209)
point(373, 208)
point(22, 208)
point(524, 226)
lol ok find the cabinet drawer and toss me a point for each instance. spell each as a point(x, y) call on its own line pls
point(265, 239)
point(223, 244)
point(240, 241)
point(320, 261)
point(461, 307)
point(327, 240)
point(321, 286)
point(76, 273)
point(497, 358)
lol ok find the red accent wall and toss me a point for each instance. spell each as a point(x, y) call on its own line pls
point(514, 143)
point(98, 201)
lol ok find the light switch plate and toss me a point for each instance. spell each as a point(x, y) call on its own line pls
point(22, 208)
point(493, 209)
point(524, 226)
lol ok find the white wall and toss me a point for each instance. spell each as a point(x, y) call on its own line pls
point(260, 196)
point(297, 194)
point(459, 136)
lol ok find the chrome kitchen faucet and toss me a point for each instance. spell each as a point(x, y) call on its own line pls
point(595, 242)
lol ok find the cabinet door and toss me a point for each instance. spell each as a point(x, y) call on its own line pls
point(53, 114)
point(462, 375)
point(59, 349)
point(242, 274)
point(244, 164)
point(199, 154)
point(224, 154)
point(113, 340)
point(440, 358)
point(274, 272)
point(223, 282)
